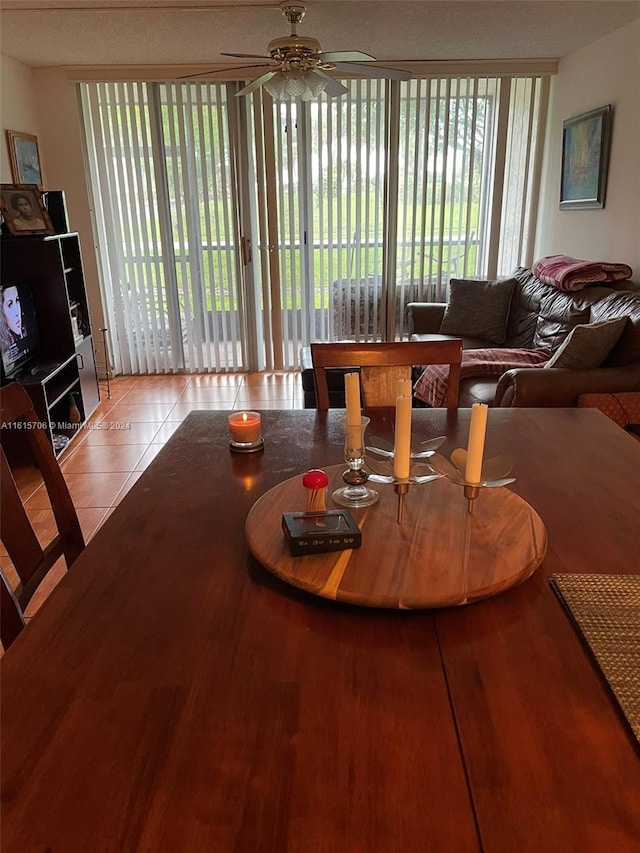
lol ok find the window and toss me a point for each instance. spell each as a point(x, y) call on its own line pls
point(233, 231)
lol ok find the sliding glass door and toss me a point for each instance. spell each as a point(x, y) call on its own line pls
point(322, 173)
point(165, 190)
point(233, 231)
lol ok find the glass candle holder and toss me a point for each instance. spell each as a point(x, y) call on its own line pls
point(245, 430)
point(355, 493)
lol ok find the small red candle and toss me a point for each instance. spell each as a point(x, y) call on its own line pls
point(245, 427)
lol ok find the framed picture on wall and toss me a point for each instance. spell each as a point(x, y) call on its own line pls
point(23, 210)
point(586, 140)
point(25, 158)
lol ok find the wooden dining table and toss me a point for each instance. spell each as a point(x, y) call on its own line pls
point(174, 695)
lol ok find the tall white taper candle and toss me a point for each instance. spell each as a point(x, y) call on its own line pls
point(475, 448)
point(354, 413)
point(402, 443)
point(352, 396)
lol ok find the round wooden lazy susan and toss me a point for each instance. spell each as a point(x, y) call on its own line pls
point(438, 557)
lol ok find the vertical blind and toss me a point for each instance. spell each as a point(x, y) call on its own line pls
point(161, 165)
point(446, 135)
point(233, 231)
point(328, 189)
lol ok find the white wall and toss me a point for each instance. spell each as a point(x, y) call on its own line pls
point(43, 102)
point(606, 72)
point(62, 130)
point(19, 111)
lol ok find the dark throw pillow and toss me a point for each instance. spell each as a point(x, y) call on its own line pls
point(478, 309)
point(587, 347)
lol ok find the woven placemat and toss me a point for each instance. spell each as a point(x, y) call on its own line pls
point(606, 610)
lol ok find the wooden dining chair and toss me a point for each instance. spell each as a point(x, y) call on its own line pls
point(30, 560)
point(382, 364)
point(10, 613)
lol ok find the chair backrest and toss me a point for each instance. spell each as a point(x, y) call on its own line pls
point(31, 561)
point(382, 364)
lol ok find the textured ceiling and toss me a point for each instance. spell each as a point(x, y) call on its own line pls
point(184, 32)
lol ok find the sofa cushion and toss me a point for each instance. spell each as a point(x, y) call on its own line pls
point(558, 314)
point(523, 313)
point(478, 309)
point(476, 389)
point(588, 346)
point(431, 387)
point(541, 315)
point(621, 304)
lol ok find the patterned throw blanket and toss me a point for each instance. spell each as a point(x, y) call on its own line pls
point(569, 274)
point(431, 387)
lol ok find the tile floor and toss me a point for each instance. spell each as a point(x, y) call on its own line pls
point(101, 465)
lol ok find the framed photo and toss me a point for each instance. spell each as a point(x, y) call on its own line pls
point(23, 210)
point(586, 141)
point(25, 158)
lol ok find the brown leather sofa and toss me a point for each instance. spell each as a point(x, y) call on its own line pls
point(540, 314)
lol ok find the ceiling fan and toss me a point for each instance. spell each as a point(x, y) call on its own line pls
point(299, 66)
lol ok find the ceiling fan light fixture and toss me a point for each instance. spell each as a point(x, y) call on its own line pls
point(295, 83)
point(316, 85)
point(298, 65)
point(276, 86)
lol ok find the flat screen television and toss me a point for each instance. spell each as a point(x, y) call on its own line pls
point(19, 335)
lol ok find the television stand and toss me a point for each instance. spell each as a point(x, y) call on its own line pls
point(54, 388)
point(42, 369)
point(63, 384)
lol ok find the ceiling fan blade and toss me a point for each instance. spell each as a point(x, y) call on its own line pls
point(245, 55)
point(373, 71)
point(220, 71)
point(255, 84)
point(345, 56)
point(333, 87)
